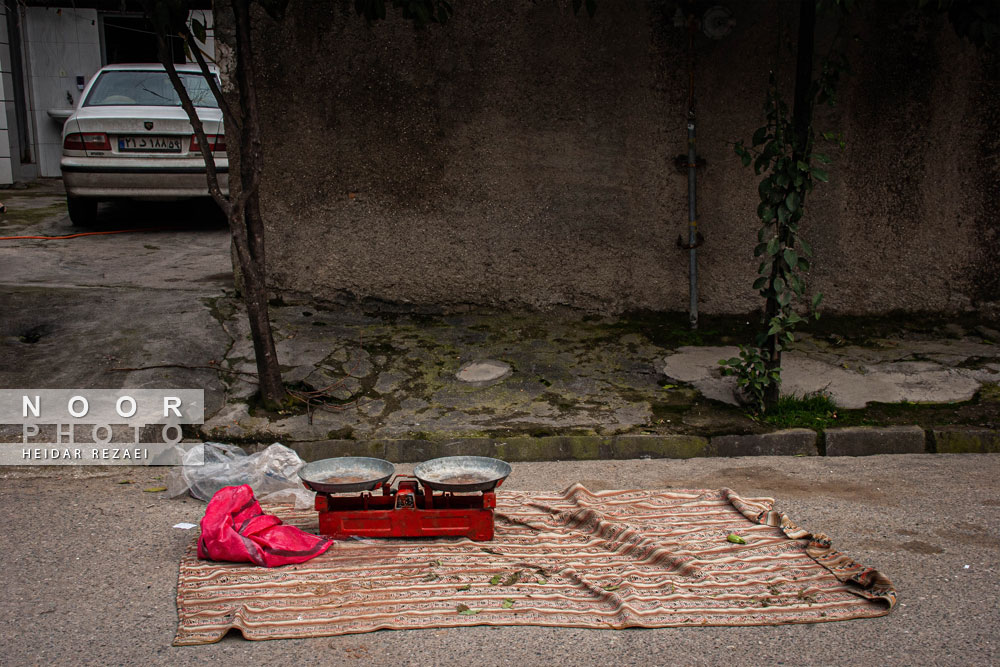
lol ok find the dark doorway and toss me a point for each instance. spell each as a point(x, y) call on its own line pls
point(130, 39)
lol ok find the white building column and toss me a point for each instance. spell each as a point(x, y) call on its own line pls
point(6, 101)
point(62, 44)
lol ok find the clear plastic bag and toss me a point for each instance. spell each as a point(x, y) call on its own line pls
point(271, 473)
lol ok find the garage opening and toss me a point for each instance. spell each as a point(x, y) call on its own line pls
point(130, 39)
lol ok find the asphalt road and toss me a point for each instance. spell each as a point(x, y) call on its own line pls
point(90, 568)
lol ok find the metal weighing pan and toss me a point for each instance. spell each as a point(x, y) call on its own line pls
point(462, 473)
point(346, 474)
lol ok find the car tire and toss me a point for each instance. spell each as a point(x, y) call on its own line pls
point(82, 212)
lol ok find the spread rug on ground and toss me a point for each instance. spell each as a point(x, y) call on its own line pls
point(612, 559)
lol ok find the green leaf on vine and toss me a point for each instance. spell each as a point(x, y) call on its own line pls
point(792, 201)
point(791, 257)
point(760, 136)
point(806, 248)
point(820, 175)
point(764, 189)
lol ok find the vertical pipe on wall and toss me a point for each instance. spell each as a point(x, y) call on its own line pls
point(692, 223)
point(692, 192)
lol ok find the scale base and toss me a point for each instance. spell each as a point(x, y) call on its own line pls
point(407, 512)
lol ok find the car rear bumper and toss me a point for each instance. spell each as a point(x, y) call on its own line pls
point(109, 179)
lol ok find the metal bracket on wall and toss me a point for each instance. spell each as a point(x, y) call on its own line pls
point(681, 163)
point(699, 239)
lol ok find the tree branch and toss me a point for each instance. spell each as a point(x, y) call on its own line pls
point(213, 84)
point(196, 124)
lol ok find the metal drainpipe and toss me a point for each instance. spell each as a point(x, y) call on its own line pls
point(692, 192)
point(692, 223)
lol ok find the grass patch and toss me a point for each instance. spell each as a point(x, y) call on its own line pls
point(814, 411)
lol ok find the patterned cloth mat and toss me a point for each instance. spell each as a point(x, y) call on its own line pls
point(613, 559)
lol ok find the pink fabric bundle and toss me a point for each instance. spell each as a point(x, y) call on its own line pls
point(235, 529)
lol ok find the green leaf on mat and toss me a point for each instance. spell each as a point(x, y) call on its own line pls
point(463, 610)
point(735, 539)
point(496, 579)
point(464, 588)
point(612, 588)
point(507, 603)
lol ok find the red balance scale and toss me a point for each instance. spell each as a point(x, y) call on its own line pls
point(451, 496)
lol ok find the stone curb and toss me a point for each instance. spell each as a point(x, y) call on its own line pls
point(869, 440)
point(956, 440)
point(848, 441)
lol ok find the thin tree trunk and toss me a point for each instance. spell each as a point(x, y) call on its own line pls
point(272, 390)
point(243, 212)
point(801, 121)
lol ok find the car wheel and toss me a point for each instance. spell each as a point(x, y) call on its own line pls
point(82, 212)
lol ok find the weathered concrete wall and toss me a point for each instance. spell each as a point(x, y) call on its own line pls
point(521, 156)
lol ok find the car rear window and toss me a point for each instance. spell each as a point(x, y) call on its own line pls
point(147, 88)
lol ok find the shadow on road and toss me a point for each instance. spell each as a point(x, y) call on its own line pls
point(192, 214)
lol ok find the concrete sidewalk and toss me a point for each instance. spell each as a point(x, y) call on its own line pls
point(90, 569)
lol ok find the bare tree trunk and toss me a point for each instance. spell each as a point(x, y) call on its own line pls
point(243, 211)
point(254, 269)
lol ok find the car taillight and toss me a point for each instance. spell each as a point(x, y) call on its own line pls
point(216, 143)
point(87, 141)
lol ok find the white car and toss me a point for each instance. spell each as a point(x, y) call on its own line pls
point(129, 138)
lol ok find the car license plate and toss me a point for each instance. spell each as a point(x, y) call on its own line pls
point(144, 144)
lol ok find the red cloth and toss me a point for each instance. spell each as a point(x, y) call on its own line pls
point(235, 529)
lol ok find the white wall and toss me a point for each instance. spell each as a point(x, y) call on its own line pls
point(61, 45)
point(208, 46)
point(6, 100)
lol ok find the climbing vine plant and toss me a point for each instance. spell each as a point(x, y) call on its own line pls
point(790, 170)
